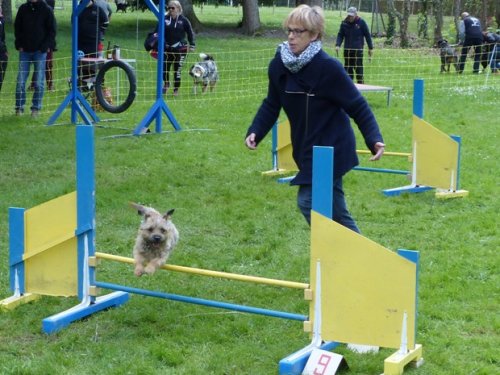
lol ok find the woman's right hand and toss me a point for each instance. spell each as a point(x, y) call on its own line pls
point(250, 141)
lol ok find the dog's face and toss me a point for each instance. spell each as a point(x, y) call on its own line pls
point(197, 71)
point(443, 43)
point(156, 230)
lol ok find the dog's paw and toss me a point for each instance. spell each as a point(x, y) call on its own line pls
point(150, 269)
point(139, 270)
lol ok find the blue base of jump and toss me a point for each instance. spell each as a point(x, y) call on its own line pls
point(295, 363)
point(57, 322)
point(406, 189)
point(204, 302)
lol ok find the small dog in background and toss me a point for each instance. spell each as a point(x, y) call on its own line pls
point(155, 240)
point(204, 73)
point(448, 56)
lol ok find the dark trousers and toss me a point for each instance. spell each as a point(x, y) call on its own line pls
point(340, 213)
point(3, 67)
point(176, 59)
point(476, 45)
point(353, 63)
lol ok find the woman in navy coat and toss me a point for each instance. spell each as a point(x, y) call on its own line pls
point(318, 98)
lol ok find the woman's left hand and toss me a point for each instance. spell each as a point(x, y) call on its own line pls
point(379, 150)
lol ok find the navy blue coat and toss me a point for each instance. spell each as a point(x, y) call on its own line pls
point(318, 101)
point(354, 33)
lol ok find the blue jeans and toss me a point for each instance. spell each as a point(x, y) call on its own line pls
point(25, 60)
point(340, 213)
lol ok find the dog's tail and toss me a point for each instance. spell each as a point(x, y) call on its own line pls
point(205, 57)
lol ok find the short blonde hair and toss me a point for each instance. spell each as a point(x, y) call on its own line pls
point(311, 18)
point(177, 4)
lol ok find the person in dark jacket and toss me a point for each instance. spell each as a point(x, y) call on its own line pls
point(177, 28)
point(318, 97)
point(35, 35)
point(49, 64)
point(353, 32)
point(4, 57)
point(92, 24)
point(491, 51)
point(470, 35)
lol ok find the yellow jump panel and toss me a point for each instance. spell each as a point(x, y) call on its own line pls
point(284, 148)
point(366, 288)
point(436, 154)
point(51, 247)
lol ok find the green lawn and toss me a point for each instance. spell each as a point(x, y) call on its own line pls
point(232, 219)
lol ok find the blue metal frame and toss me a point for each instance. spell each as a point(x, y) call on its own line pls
point(203, 302)
point(159, 106)
point(79, 104)
point(16, 248)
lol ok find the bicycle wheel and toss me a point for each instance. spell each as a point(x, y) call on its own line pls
point(115, 86)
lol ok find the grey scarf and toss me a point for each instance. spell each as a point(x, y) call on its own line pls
point(295, 63)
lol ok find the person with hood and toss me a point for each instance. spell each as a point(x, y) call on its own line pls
point(318, 98)
point(35, 35)
point(177, 28)
point(353, 32)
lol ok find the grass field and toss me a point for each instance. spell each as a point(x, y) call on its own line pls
point(232, 219)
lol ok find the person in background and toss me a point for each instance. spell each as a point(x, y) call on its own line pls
point(35, 34)
point(4, 56)
point(470, 35)
point(177, 28)
point(491, 51)
point(49, 76)
point(92, 24)
point(353, 32)
point(106, 7)
point(318, 98)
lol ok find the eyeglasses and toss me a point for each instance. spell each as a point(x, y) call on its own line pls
point(171, 8)
point(295, 32)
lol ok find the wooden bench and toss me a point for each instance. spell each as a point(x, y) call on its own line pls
point(371, 88)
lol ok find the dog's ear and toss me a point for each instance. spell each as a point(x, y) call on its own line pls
point(169, 214)
point(141, 210)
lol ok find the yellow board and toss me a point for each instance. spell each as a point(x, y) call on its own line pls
point(284, 148)
point(51, 247)
point(436, 154)
point(365, 287)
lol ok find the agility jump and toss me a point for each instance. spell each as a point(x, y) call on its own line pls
point(52, 253)
point(435, 157)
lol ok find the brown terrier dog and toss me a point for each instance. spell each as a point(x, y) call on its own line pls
point(155, 240)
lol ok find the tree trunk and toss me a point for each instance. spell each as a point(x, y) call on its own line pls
point(7, 10)
point(438, 16)
point(251, 17)
point(188, 12)
point(403, 24)
point(456, 16)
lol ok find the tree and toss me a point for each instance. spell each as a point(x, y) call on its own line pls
point(7, 10)
point(251, 18)
point(402, 18)
point(188, 11)
point(438, 16)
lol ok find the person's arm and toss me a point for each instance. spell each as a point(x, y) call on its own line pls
point(461, 32)
point(340, 39)
point(368, 37)
point(266, 116)
point(347, 96)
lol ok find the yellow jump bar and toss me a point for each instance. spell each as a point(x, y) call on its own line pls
point(203, 272)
